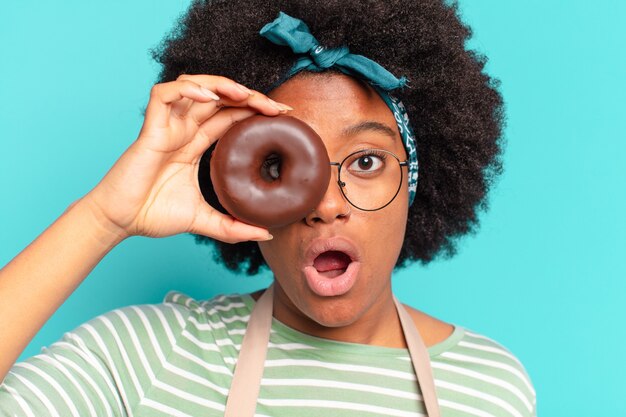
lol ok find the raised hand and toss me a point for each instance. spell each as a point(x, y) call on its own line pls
point(152, 190)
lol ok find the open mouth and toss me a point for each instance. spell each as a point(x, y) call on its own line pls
point(332, 263)
point(331, 266)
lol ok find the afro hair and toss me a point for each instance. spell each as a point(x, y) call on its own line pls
point(456, 110)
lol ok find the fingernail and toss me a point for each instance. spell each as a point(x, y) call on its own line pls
point(244, 89)
point(263, 239)
point(209, 93)
point(280, 106)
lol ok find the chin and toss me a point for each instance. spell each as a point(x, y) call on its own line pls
point(333, 312)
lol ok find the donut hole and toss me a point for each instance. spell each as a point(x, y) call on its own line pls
point(271, 167)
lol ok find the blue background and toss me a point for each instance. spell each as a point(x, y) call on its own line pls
point(545, 275)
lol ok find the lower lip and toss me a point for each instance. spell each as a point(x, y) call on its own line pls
point(330, 287)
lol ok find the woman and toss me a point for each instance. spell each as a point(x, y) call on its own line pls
point(338, 345)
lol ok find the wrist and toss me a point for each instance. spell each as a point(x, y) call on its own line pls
point(98, 225)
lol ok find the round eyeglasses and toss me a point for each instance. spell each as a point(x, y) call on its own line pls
point(370, 179)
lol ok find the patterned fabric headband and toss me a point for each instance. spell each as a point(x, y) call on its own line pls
point(294, 33)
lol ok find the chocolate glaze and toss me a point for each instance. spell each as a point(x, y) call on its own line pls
point(270, 171)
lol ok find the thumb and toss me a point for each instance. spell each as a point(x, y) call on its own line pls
point(210, 222)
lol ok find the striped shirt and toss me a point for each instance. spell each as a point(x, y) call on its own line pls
point(177, 359)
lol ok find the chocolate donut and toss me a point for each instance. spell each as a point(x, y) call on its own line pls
point(270, 171)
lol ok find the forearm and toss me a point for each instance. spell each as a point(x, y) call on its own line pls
point(41, 277)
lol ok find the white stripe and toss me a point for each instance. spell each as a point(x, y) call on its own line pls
point(58, 365)
point(173, 295)
point(479, 336)
point(87, 356)
point(164, 323)
point(189, 336)
point(167, 365)
point(209, 306)
point(209, 326)
point(139, 350)
point(214, 368)
point(179, 316)
point(89, 380)
point(212, 308)
point(339, 405)
point(243, 331)
point(323, 383)
point(291, 346)
point(486, 378)
point(40, 395)
point(111, 363)
point(232, 319)
point(186, 396)
point(215, 346)
point(208, 366)
point(164, 408)
point(130, 368)
point(200, 344)
point(54, 384)
point(340, 367)
point(18, 398)
point(491, 349)
point(464, 408)
point(494, 364)
point(180, 372)
point(478, 394)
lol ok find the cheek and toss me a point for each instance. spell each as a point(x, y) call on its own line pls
point(271, 251)
point(389, 229)
point(279, 252)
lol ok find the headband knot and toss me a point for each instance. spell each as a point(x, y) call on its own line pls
point(326, 58)
point(294, 33)
point(312, 56)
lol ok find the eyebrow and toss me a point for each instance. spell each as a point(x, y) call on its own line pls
point(369, 125)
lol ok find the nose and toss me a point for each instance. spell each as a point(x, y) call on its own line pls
point(333, 206)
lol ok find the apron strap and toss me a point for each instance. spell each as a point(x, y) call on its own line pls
point(420, 360)
point(246, 384)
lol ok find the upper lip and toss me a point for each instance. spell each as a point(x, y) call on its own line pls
point(335, 243)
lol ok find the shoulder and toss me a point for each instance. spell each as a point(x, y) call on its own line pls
point(476, 368)
point(157, 328)
point(431, 329)
point(481, 367)
point(219, 311)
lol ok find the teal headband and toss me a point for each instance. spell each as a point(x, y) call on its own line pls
point(294, 33)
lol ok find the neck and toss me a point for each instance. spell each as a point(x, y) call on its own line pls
point(378, 325)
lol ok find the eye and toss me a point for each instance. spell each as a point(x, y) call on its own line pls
point(366, 162)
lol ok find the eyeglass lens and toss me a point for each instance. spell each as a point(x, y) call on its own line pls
point(370, 179)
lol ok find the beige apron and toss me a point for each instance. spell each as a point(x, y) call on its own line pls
point(244, 390)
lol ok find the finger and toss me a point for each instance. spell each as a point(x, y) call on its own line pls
point(200, 112)
point(235, 94)
point(163, 95)
point(212, 223)
point(216, 126)
point(223, 86)
point(181, 107)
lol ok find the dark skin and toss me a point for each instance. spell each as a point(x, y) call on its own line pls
point(366, 313)
point(431, 329)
